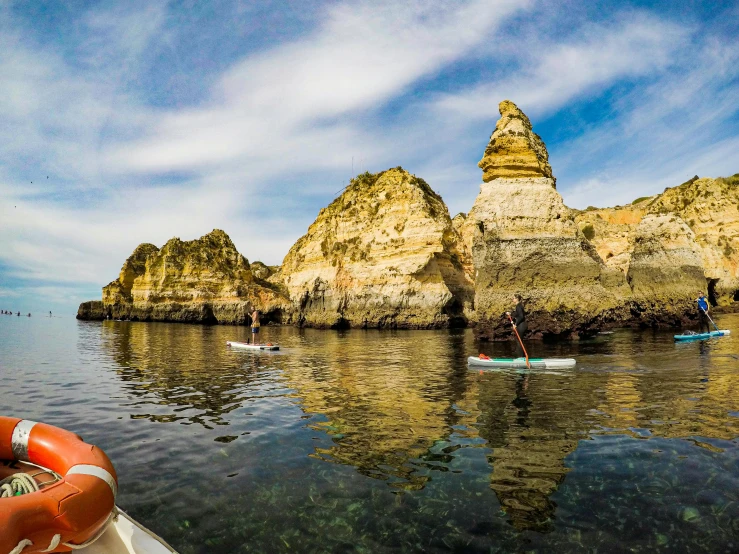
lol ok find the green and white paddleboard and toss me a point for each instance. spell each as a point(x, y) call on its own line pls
point(520, 363)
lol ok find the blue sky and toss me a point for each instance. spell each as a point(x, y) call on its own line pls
point(129, 122)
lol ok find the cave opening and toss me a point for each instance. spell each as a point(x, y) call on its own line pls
point(712, 291)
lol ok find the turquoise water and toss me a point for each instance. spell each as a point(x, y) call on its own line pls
point(382, 441)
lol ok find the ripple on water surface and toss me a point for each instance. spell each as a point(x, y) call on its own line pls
point(373, 441)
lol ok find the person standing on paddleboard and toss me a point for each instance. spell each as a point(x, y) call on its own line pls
point(518, 319)
point(703, 312)
point(254, 326)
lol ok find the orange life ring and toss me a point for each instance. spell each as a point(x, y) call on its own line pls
point(72, 510)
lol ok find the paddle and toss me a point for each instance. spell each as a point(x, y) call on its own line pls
point(709, 319)
point(528, 365)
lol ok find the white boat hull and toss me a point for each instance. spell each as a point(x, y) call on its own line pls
point(127, 536)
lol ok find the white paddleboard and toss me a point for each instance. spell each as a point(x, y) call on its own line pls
point(247, 346)
point(520, 363)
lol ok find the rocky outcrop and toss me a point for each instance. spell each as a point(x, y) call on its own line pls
point(514, 150)
point(199, 281)
point(383, 254)
point(665, 271)
point(525, 241)
point(92, 309)
point(709, 207)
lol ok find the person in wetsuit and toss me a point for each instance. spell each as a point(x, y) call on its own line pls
point(519, 315)
point(703, 312)
point(519, 320)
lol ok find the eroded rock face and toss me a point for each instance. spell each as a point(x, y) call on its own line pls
point(525, 241)
point(199, 281)
point(514, 150)
point(383, 254)
point(665, 271)
point(710, 208)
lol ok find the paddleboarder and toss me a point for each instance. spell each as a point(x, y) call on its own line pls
point(519, 315)
point(518, 320)
point(703, 312)
point(254, 325)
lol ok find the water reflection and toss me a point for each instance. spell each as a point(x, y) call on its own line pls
point(403, 408)
point(182, 370)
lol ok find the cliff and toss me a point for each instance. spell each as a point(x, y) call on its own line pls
point(709, 208)
point(383, 254)
point(665, 271)
point(200, 281)
point(523, 239)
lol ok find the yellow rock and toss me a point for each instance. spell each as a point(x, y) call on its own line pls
point(514, 149)
point(383, 254)
point(204, 280)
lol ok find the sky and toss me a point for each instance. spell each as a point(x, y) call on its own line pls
point(138, 121)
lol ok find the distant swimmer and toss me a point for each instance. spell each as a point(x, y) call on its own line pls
point(29, 314)
point(19, 314)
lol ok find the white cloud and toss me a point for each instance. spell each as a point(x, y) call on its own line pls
point(552, 74)
point(278, 107)
point(661, 135)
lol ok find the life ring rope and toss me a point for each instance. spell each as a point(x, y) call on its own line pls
point(70, 462)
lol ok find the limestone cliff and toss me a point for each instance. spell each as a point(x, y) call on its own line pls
point(514, 149)
point(710, 208)
point(523, 239)
point(383, 254)
point(204, 280)
point(665, 271)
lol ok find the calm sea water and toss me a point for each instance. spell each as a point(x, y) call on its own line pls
point(382, 441)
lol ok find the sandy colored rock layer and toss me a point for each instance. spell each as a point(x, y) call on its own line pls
point(383, 254)
point(199, 281)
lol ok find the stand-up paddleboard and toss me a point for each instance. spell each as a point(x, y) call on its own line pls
point(520, 363)
point(247, 346)
point(703, 336)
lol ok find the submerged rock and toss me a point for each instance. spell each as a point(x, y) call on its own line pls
point(199, 281)
point(383, 254)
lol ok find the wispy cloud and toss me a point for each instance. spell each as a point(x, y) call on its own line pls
point(684, 123)
point(550, 75)
point(282, 105)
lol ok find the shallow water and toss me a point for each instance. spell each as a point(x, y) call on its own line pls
point(379, 441)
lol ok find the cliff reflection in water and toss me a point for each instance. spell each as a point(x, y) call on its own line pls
point(181, 370)
point(401, 406)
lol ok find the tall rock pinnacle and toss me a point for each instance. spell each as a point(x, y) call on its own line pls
point(514, 149)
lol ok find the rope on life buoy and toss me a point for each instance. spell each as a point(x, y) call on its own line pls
point(17, 484)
